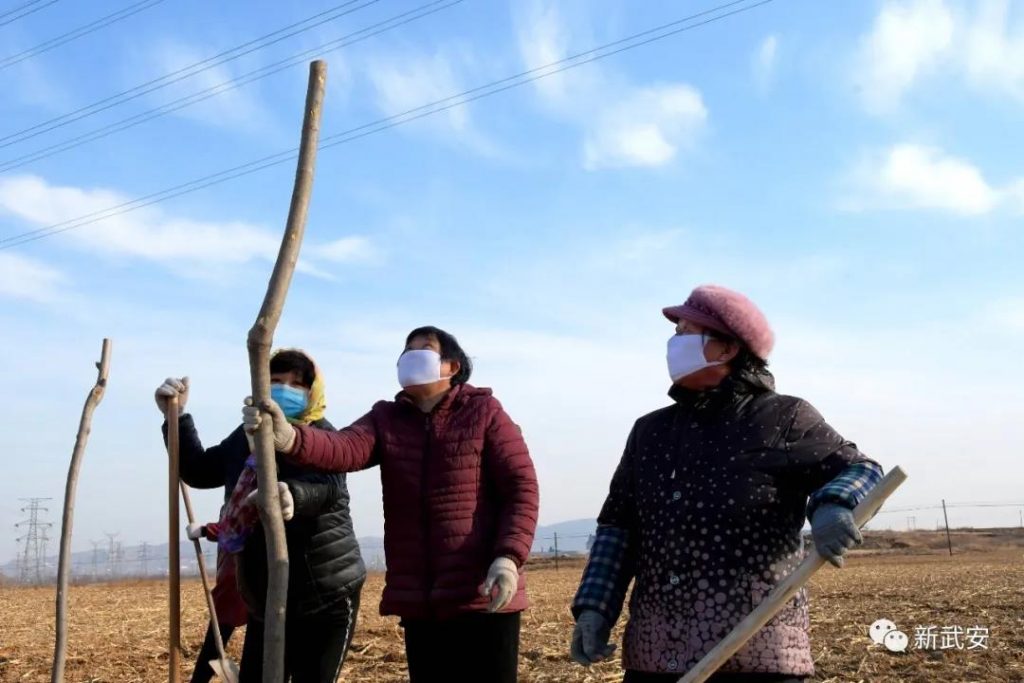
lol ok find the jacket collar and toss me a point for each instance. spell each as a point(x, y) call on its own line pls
point(449, 400)
point(731, 390)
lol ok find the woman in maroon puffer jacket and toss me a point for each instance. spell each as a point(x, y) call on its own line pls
point(460, 508)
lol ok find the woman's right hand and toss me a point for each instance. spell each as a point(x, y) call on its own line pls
point(252, 418)
point(169, 389)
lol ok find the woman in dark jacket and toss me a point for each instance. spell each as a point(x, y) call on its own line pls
point(326, 571)
point(460, 509)
point(705, 510)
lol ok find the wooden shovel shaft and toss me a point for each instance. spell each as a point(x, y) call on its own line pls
point(173, 558)
point(778, 598)
point(204, 575)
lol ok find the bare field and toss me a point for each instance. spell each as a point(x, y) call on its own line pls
point(118, 631)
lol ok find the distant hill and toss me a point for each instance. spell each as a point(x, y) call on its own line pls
point(572, 536)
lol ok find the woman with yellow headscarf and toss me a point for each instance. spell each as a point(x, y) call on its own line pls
point(326, 570)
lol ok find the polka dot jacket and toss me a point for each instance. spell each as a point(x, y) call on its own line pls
point(704, 515)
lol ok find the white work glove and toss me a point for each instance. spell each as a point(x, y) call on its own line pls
point(503, 576)
point(590, 638)
point(194, 531)
point(170, 388)
point(284, 494)
point(252, 417)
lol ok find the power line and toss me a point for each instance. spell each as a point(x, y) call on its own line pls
point(77, 33)
point(19, 8)
point(436, 107)
point(181, 74)
point(202, 95)
point(24, 14)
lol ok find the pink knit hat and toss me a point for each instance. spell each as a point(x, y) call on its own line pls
point(728, 312)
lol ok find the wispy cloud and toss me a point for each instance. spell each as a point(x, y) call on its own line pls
point(646, 128)
point(353, 249)
point(624, 125)
point(763, 62)
point(28, 279)
point(911, 41)
point(237, 109)
point(910, 176)
point(187, 246)
point(404, 82)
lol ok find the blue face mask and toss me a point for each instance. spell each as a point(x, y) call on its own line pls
point(292, 401)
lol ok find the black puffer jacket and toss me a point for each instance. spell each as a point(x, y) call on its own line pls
point(325, 566)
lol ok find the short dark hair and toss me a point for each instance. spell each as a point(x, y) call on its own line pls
point(745, 360)
point(294, 361)
point(450, 350)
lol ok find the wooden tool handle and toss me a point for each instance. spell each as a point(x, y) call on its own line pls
point(789, 586)
point(173, 559)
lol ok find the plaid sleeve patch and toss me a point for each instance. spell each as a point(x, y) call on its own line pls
point(848, 488)
point(608, 573)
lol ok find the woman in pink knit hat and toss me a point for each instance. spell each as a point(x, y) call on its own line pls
point(705, 509)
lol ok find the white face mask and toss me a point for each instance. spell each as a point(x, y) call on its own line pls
point(419, 366)
point(686, 355)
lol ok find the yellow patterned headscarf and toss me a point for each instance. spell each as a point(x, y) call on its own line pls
point(316, 406)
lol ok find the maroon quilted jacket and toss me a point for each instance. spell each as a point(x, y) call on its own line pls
point(459, 490)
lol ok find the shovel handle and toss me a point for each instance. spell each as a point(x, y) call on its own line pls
point(173, 555)
point(782, 593)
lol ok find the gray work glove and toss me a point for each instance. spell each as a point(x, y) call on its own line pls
point(834, 532)
point(170, 388)
point(590, 638)
point(252, 417)
point(501, 583)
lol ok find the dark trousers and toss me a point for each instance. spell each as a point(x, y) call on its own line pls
point(203, 673)
point(314, 646)
point(469, 648)
point(644, 677)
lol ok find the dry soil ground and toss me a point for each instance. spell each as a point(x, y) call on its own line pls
point(118, 631)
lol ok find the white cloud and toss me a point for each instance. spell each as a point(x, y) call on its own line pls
point(909, 176)
point(543, 40)
point(994, 52)
point(351, 249)
point(28, 279)
point(238, 108)
point(908, 39)
point(914, 40)
point(190, 247)
point(646, 128)
point(764, 61)
point(405, 82)
point(623, 125)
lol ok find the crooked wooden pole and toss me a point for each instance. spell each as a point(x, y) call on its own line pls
point(64, 565)
point(260, 340)
point(789, 586)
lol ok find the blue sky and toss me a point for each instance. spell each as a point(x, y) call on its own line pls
point(854, 167)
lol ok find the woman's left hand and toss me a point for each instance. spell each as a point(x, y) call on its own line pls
point(503, 576)
point(834, 531)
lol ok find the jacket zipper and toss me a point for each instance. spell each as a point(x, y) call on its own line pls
point(428, 560)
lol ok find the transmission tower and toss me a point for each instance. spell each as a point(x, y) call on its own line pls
point(144, 558)
point(113, 554)
point(95, 559)
point(33, 556)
